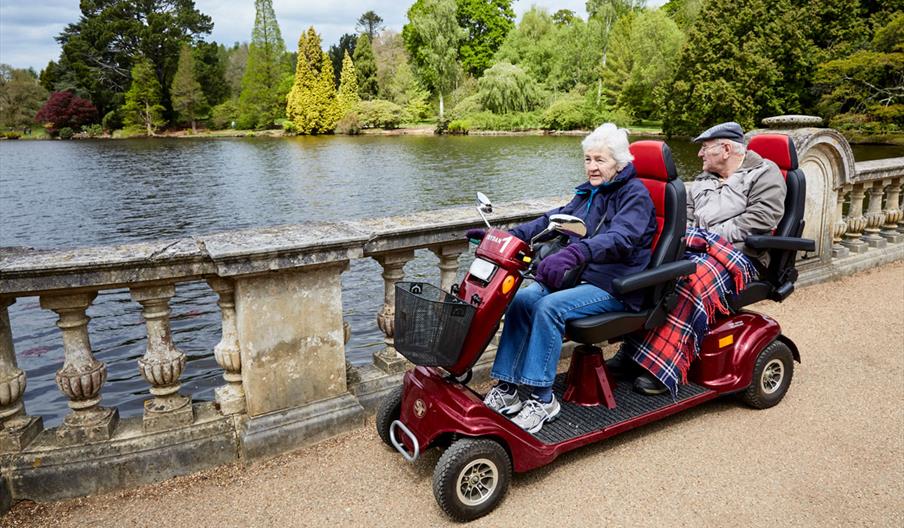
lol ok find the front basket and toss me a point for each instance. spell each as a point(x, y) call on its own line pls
point(430, 325)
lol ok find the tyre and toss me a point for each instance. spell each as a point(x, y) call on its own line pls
point(471, 478)
point(772, 375)
point(388, 411)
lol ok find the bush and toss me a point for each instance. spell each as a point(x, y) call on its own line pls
point(66, 133)
point(350, 124)
point(459, 126)
point(112, 121)
point(379, 113)
point(518, 121)
point(506, 88)
point(93, 131)
point(10, 135)
point(66, 110)
point(224, 114)
point(468, 105)
point(568, 113)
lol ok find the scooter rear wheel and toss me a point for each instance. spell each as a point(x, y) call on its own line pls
point(772, 375)
point(471, 478)
point(389, 410)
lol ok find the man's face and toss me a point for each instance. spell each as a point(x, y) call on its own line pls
point(714, 154)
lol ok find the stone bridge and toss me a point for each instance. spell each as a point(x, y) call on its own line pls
point(286, 380)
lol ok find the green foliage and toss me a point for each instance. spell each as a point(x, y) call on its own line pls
point(432, 36)
point(21, 96)
point(390, 55)
point(467, 106)
point(93, 131)
point(742, 62)
point(143, 108)
point(66, 133)
point(506, 88)
point(235, 58)
point(379, 114)
point(224, 114)
point(366, 67)
point(347, 99)
point(189, 101)
point(683, 12)
point(567, 113)
point(112, 120)
point(486, 22)
point(311, 104)
point(515, 121)
point(210, 71)
point(458, 127)
point(349, 125)
point(264, 85)
point(347, 43)
point(369, 24)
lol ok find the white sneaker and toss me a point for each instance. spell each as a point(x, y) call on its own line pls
point(503, 402)
point(534, 414)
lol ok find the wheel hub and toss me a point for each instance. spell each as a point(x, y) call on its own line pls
point(773, 374)
point(477, 482)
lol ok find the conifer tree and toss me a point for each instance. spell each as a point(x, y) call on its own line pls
point(311, 104)
point(143, 107)
point(262, 100)
point(347, 99)
point(188, 97)
point(366, 66)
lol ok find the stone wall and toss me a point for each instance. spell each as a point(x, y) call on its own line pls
point(286, 381)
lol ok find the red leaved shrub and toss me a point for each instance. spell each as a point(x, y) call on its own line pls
point(65, 109)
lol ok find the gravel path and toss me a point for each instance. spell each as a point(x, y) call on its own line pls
point(831, 454)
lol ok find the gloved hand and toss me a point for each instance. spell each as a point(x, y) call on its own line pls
point(552, 269)
point(475, 234)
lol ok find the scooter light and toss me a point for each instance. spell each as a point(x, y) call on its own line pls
point(507, 284)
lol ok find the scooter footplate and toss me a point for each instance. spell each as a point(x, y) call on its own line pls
point(577, 420)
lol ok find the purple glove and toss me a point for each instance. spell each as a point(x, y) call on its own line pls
point(552, 269)
point(475, 234)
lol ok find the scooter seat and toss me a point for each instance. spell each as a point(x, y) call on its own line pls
point(602, 327)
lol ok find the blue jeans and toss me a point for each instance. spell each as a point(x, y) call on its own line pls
point(531, 340)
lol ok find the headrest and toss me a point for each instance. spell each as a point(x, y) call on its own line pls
point(653, 160)
point(776, 147)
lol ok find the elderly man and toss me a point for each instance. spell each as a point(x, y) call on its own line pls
point(738, 193)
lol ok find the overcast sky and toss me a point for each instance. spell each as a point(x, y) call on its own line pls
point(28, 27)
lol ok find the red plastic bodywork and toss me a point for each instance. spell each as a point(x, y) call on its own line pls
point(507, 252)
point(729, 351)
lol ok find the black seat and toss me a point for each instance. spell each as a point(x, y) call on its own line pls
point(777, 281)
point(655, 168)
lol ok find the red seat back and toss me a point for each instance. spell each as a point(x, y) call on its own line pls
point(655, 168)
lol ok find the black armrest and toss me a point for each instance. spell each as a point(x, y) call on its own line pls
point(652, 277)
point(777, 242)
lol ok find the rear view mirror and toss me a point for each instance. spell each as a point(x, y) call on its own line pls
point(484, 207)
point(567, 224)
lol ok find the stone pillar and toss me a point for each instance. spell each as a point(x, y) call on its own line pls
point(856, 222)
point(16, 428)
point(839, 227)
point(388, 359)
point(163, 363)
point(82, 376)
point(893, 213)
point(875, 218)
point(448, 262)
point(229, 397)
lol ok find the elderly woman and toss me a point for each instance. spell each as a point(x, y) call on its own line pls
point(618, 212)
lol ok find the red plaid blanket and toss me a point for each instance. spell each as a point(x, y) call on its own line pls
point(667, 351)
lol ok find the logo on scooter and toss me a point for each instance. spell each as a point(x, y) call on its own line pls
point(504, 242)
point(420, 408)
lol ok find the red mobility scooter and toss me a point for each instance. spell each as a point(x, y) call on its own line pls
point(444, 334)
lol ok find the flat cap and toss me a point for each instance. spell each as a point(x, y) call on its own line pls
point(729, 130)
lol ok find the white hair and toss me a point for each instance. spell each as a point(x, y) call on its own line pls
point(737, 147)
point(613, 138)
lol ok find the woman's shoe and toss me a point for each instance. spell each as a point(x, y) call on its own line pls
point(647, 385)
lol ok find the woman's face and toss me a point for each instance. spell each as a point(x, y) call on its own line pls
point(600, 166)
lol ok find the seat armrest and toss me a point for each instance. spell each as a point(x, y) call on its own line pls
point(652, 277)
point(779, 242)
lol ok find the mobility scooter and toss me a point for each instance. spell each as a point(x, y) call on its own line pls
point(444, 333)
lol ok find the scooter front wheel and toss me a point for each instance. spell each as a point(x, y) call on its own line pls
point(471, 478)
point(389, 410)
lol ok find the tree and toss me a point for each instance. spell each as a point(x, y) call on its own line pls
point(486, 22)
point(366, 66)
point(390, 55)
point(236, 59)
point(507, 88)
point(65, 109)
point(369, 24)
point(264, 86)
point(337, 53)
point(189, 101)
point(99, 50)
point(311, 104)
point(432, 36)
point(21, 96)
point(210, 71)
point(143, 108)
point(347, 98)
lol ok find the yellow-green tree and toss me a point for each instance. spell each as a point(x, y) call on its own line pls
point(347, 99)
point(311, 105)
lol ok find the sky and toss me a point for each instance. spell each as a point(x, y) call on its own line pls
point(28, 27)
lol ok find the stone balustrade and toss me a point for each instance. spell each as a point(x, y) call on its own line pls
point(282, 351)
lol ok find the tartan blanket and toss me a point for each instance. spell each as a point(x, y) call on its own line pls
point(667, 351)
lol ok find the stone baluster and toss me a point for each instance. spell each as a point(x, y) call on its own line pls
point(875, 217)
point(855, 220)
point(448, 262)
point(901, 205)
point(893, 212)
point(82, 376)
point(839, 227)
point(16, 428)
point(229, 397)
point(163, 363)
point(388, 359)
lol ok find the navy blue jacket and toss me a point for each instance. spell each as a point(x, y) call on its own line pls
point(621, 247)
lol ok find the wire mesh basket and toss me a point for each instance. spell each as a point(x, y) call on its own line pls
point(430, 324)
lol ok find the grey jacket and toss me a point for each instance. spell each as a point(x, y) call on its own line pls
point(749, 202)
